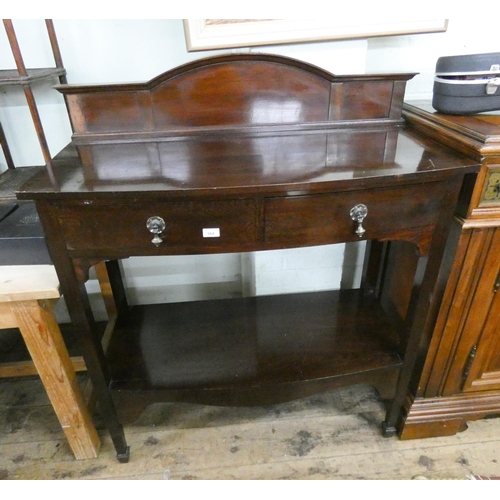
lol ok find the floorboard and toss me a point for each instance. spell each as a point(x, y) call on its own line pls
point(333, 435)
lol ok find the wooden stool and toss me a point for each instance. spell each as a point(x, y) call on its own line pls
point(27, 297)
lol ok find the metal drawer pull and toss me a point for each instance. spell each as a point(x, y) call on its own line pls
point(156, 225)
point(358, 214)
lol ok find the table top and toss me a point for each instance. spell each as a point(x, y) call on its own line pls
point(28, 283)
point(479, 132)
point(233, 164)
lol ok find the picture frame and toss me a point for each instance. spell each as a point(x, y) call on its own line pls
point(212, 34)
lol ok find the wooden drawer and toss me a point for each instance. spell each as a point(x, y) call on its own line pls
point(90, 226)
point(325, 218)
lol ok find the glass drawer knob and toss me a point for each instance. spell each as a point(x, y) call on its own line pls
point(156, 225)
point(358, 214)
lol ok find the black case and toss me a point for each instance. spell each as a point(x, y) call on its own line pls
point(467, 84)
point(22, 241)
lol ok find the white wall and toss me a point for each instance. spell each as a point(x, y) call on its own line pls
point(109, 50)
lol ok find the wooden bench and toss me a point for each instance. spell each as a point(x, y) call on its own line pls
point(27, 297)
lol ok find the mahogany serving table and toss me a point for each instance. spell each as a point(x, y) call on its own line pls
point(244, 153)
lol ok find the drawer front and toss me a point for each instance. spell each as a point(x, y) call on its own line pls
point(325, 218)
point(122, 226)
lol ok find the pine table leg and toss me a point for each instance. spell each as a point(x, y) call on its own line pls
point(43, 339)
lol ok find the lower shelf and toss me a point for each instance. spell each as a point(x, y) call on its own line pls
point(250, 343)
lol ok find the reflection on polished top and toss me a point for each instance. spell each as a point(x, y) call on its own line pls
point(285, 161)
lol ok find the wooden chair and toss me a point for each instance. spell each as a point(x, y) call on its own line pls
point(27, 297)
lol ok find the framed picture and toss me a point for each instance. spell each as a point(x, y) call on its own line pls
point(209, 34)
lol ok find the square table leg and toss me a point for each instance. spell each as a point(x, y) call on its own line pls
point(44, 341)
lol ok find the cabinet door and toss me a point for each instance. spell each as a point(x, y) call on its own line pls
point(482, 370)
point(476, 364)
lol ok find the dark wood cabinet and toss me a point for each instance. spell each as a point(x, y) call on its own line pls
point(240, 153)
point(461, 375)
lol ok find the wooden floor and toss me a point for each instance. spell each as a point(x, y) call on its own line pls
point(335, 435)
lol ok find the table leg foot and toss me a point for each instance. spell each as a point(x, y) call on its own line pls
point(124, 457)
point(388, 430)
